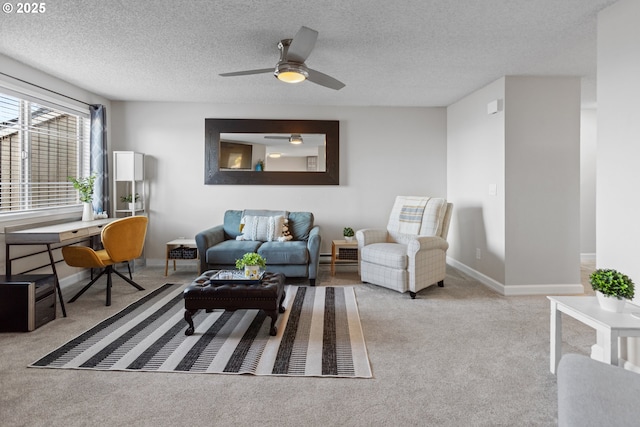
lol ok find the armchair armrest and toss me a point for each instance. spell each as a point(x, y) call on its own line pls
point(426, 243)
point(205, 239)
point(368, 236)
point(313, 246)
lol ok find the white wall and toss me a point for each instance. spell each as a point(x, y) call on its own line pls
point(475, 161)
point(618, 151)
point(384, 152)
point(542, 177)
point(588, 144)
point(618, 174)
point(514, 179)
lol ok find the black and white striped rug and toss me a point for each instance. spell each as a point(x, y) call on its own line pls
point(319, 335)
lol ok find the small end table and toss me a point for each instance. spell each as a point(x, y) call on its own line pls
point(171, 255)
point(586, 309)
point(343, 251)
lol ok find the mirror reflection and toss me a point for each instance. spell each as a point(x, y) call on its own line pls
point(272, 152)
point(286, 152)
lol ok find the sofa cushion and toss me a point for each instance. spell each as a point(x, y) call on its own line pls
point(262, 228)
point(231, 224)
point(300, 224)
point(293, 252)
point(229, 251)
point(393, 255)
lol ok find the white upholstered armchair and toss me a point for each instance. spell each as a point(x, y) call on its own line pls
point(410, 254)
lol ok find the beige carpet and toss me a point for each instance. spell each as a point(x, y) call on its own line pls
point(458, 355)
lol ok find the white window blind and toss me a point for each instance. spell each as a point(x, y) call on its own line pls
point(40, 147)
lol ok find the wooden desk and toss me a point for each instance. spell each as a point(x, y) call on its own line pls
point(61, 233)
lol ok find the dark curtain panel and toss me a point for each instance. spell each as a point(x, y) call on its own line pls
point(99, 158)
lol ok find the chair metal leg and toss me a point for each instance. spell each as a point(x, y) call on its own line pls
point(82, 291)
point(110, 268)
point(131, 282)
point(107, 270)
point(129, 268)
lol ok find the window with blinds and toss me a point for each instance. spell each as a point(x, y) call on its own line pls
point(40, 147)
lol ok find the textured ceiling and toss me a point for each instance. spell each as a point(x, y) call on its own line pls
point(402, 53)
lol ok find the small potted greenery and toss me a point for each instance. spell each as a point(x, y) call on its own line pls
point(133, 204)
point(612, 288)
point(348, 234)
point(251, 262)
point(85, 188)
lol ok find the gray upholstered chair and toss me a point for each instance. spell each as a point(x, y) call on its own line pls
point(592, 393)
point(410, 254)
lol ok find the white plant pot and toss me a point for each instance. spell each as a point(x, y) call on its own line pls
point(87, 211)
point(135, 206)
point(609, 303)
point(348, 238)
point(252, 272)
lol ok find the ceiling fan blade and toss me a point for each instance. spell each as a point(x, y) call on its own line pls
point(276, 137)
point(302, 44)
point(248, 72)
point(324, 80)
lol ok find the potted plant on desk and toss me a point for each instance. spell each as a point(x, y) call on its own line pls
point(251, 262)
point(85, 188)
point(612, 289)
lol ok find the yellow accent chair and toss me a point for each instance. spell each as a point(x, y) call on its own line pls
point(123, 241)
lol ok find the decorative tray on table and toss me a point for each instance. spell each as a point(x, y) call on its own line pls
point(235, 276)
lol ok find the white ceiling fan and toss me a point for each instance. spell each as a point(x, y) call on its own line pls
point(291, 67)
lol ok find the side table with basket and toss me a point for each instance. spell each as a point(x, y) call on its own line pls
point(181, 249)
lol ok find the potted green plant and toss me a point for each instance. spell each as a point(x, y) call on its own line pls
point(348, 234)
point(133, 203)
point(85, 188)
point(251, 262)
point(612, 288)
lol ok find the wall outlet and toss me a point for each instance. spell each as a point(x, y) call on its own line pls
point(478, 253)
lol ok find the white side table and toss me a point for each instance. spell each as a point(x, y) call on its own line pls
point(187, 243)
point(587, 310)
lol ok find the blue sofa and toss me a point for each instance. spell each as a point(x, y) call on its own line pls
point(299, 257)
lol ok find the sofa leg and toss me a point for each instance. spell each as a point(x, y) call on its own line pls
point(441, 283)
point(413, 295)
point(312, 282)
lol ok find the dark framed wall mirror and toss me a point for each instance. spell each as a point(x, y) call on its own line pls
point(272, 152)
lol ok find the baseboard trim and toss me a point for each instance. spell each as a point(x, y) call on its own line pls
point(74, 278)
point(484, 279)
point(587, 257)
point(517, 290)
point(564, 289)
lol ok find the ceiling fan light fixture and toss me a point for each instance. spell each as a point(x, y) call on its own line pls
point(291, 73)
point(295, 139)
